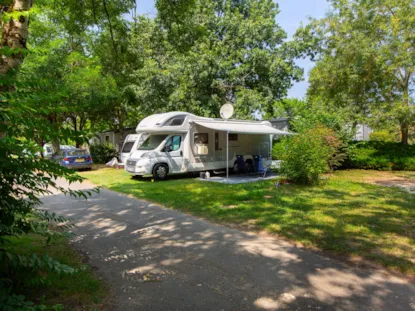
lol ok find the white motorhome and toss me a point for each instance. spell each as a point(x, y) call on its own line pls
point(180, 142)
point(48, 150)
point(131, 143)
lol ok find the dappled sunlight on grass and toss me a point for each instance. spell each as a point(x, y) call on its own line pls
point(345, 215)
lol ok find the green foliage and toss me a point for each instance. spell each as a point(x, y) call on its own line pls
point(288, 107)
point(383, 136)
point(24, 177)
point(313, 116)
point(60, 81)
point(63, 65)
point(277, 149)
point(306, 156)
point(380, 155)
point(119, 55)
point(217, 52)
point(304, 117)
point(102, 153)
point(76, 17)
point(56, 289)
point(10, 301)
point(365, 66)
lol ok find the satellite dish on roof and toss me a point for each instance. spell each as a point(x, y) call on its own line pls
point(226, 111)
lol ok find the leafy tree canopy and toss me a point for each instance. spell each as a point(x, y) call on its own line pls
point(212, 52)
point(365, 60)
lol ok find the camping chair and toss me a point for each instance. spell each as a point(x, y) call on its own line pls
point(240, 164)
point(259, 166)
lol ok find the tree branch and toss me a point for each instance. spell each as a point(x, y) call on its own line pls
point(390, 9)
point(111, 30)
point(94, 11)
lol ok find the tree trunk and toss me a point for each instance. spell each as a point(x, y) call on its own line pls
point(404, 132)
point(14, 36)
point(405, 122)
point(82, 121)
point(56, 144)
point(75, 128)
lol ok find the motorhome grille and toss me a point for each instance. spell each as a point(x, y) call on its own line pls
point(131, 163)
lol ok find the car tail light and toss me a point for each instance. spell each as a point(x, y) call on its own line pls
point(66, 159)
point(88, 158)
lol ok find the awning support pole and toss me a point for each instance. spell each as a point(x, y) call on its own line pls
point(227, 156)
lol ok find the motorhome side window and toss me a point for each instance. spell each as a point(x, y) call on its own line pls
point(175, 121)
point(174, 142)
point(233, 137)
point(127, 146)
point(201, 138)
point(152, 142)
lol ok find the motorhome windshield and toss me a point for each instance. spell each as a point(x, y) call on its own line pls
point(152, 142)
point(127, 146)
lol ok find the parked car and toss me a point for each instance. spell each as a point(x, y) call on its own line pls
point(74, 158)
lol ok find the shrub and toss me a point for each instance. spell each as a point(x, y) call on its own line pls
point(307, 155)
point(382, 136)
point(102, 153)
point(381, 156)
point(278, 149)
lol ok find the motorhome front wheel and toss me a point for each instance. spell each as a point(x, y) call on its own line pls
point(160, 171)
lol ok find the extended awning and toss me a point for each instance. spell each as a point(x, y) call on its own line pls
point(242, 128)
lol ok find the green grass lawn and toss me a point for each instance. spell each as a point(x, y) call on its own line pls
point(79, 291)
point(346, 215)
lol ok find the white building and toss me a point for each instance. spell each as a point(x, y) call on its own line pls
point(113, 137)
point(363, 132)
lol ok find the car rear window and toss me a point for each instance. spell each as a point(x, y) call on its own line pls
point(76, 152)
point(127, 146)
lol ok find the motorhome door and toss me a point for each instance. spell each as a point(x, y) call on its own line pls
point(174, 153)
point(220, 146)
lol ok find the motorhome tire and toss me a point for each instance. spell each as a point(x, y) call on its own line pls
point(160, 171)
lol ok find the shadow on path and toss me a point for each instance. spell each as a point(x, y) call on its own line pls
point(159, 259)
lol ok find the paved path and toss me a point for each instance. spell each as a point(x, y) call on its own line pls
point(159, 259)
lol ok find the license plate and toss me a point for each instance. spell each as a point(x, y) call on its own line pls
point(79, 160)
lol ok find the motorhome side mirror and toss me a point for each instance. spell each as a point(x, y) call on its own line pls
point(168, 148)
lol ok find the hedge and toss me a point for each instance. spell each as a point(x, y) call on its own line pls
point(102, 153)
point(381, 156)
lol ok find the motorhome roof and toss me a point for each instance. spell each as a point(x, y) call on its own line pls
point(160, 118)
point(160, 123)
point(157, 123)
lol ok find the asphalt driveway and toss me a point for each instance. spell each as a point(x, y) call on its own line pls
point(154, 258)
